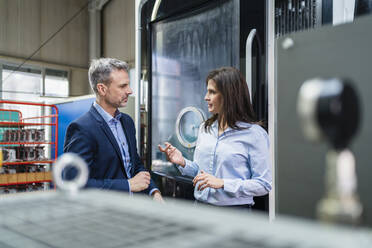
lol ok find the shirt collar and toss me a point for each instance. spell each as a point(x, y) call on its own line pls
point(214, 126)
point(106, 116)
point(240, 124)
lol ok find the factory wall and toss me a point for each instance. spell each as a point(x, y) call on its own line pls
point(118, 30)
point(26, 25)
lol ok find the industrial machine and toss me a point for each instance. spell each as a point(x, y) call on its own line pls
point(185, 40)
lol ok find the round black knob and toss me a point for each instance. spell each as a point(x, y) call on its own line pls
point(330, 109)
point(338, 112)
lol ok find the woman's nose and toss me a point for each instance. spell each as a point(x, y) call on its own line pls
point(130, 91)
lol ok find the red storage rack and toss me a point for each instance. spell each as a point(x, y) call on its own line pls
point(28, 137)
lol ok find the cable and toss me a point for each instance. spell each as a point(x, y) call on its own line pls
point(51, 37)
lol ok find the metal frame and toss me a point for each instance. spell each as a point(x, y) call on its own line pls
point(22, 123)
point(248, 60)
point(271, 78)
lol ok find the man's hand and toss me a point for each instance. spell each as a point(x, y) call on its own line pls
point(140, 181)
point(157, 196)
point(207, 180)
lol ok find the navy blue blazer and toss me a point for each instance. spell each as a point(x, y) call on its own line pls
point(91, 138)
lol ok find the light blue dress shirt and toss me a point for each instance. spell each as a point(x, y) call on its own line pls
point(118, 132)
point(239, 157)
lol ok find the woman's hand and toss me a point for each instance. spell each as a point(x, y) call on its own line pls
point(156, 196)
point(207, 180)
point(173, 154)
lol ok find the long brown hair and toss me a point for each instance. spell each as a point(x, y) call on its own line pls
point(236, 103)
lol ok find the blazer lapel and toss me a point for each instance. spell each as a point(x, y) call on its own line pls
point(106, 129)
point(111, 138)
point(130, 145)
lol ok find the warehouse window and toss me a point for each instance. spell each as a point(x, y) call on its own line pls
point(30, 83)
point(56, 83)
point(24, 84)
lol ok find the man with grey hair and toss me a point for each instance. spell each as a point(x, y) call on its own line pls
point(105, 138)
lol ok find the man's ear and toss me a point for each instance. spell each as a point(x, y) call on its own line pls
point(101, 88)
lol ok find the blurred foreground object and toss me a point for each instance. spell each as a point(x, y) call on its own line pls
point(98, 218)
point(65, 163)
point(329, 110)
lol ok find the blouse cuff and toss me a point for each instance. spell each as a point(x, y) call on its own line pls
point(184, 170)
point(230, 185)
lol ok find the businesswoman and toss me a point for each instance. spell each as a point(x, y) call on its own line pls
point(231, 161)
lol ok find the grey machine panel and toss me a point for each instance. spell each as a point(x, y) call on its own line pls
point(343, 51)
